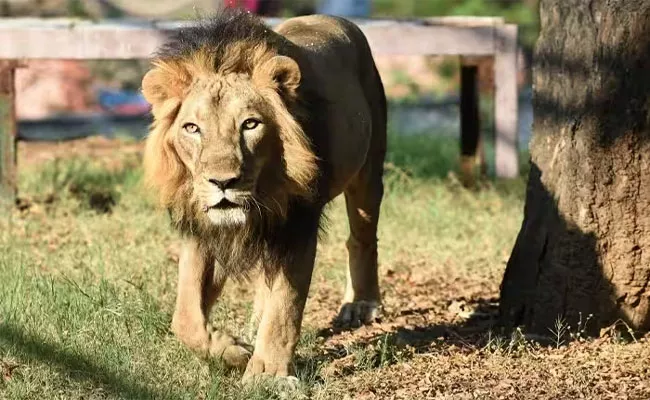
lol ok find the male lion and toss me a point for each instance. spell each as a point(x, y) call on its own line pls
point(254, 132)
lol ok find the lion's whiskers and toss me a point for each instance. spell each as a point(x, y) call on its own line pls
point(261, 205)
point(277, 203)
point(259, 210)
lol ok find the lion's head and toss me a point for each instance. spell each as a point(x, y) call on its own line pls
point(225, 146)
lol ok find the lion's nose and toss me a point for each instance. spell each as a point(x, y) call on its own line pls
point(224, 183)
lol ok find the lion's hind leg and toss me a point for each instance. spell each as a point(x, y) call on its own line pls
point(197, 290)
point(362, 300)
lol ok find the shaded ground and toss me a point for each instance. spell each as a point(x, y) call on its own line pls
point(88, 289)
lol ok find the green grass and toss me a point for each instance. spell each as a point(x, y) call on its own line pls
point(87, 287)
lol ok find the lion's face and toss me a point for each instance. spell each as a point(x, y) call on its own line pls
point(225, 135)
point(224, 143)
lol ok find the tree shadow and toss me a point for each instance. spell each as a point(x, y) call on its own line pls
point(30, 348)
point(400, 343)
point(472, 332)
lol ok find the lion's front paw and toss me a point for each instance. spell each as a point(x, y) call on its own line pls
point(355, 314)
point(257, 368)
point(232, 351)
point(285, 387)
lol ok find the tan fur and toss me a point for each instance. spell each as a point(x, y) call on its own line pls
point(284, 171)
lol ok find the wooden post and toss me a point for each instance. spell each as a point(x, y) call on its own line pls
point(506, 102)
point(8, 181)
point(469, 123)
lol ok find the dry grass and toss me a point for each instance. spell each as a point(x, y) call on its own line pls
point(88, 288)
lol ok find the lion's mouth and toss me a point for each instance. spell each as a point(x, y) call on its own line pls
point(226, 213)
point(224, 204)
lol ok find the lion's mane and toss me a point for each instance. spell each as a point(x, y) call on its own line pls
point(234, 42)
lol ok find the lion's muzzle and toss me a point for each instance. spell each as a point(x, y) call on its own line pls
point(223, 201)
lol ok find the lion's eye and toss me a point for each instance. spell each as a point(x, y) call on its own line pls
point(191, 128)
point(250, 123)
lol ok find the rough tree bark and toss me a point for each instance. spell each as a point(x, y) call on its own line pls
point(584, 245)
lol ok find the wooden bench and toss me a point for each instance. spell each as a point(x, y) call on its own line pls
point(33, 38)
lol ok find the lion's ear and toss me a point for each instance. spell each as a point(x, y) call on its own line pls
point(283, 71)
point(163, 85)
point(153, 89)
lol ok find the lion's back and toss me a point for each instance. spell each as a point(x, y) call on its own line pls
point(342, 70)
point(333, 41)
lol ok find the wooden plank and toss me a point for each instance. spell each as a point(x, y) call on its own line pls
point(65, 39)
point(469, 124)
point(8, 181)
point(461, 20)
point(95, 43)
point(415, 39)
point(506, 102)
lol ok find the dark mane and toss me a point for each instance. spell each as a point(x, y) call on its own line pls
point(264, 239)
point(217, 33)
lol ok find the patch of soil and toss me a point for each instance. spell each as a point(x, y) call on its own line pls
point(419, 310)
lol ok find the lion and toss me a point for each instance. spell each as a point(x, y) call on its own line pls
point(255, 130)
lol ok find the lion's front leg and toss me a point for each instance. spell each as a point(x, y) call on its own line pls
point(281, 319)
point(198, 288)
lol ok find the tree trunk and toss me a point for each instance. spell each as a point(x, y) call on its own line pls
point(584, 245)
